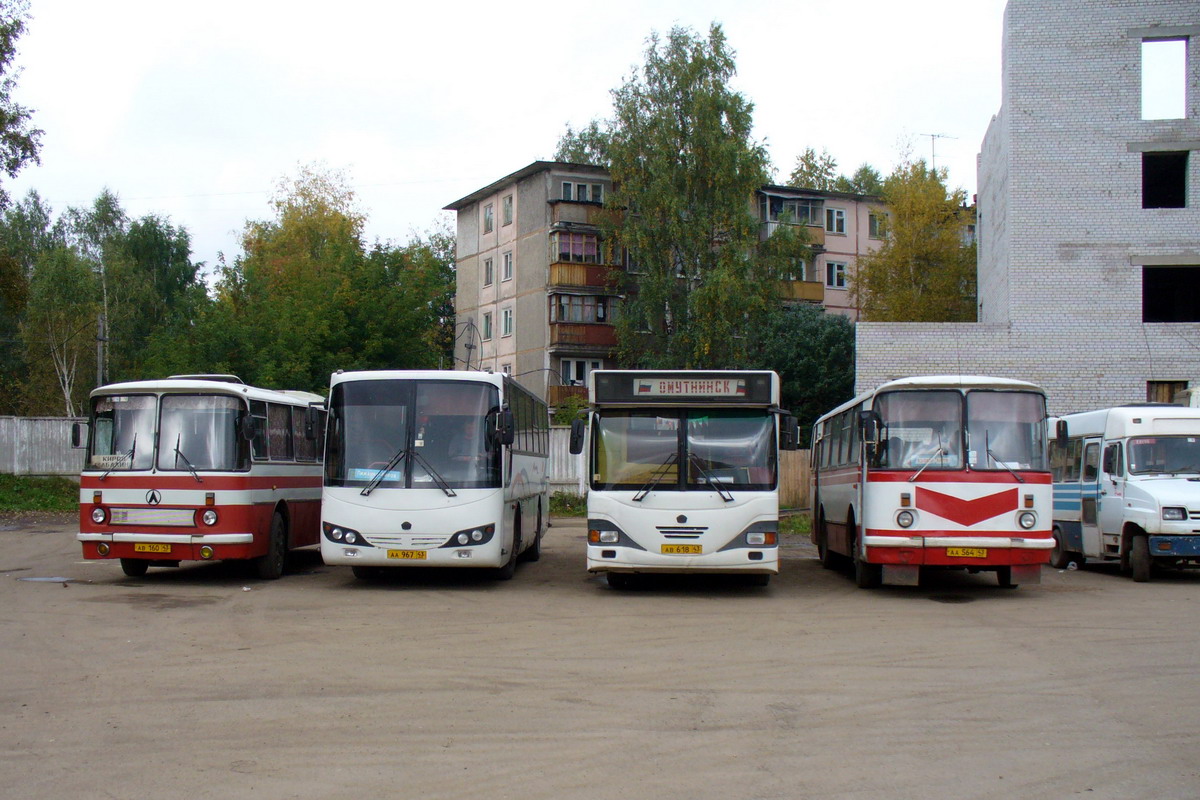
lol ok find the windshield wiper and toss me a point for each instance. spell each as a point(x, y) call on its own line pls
point(987, 448)
point(388, 467)
point(726, 495)
point(928, 461)
point(433, 473)
point(179, 454)
point(658, 475)
point(124, 456)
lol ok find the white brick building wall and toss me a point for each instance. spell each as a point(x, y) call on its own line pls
point(1063, 236)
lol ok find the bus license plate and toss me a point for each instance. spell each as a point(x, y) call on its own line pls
point(152, 548)
point(682, 549)
point(967, 552)
point(410, 555)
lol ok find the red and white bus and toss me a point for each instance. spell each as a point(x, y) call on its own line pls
point(199, 468)
point(940, 471)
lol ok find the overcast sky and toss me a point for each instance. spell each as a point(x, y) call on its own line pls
point(195, 111)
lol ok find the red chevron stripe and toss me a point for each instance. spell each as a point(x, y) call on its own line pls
point(966, 512)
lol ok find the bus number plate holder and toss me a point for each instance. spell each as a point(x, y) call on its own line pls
point(966, 552)
point(408, 555)
point(152, 548)
point(682, 549)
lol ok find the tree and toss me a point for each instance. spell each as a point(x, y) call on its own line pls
point(813, 352)
point(589, 145)
point(25, 232)
point(684, 169)
point(814, 171)
point(923, 272)
point(19, 141)
point(865, 180)
point(59, 331)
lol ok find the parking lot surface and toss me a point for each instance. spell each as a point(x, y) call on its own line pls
point(203, 682)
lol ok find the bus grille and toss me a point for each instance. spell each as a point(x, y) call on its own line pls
point(685, 532)
point(413, 541)
point(177, 517)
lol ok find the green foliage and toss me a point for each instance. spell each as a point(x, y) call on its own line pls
point(865, 180)
point(589, 145)
point(684, 168)
point(923, 272)
point(795, 524)
point(565, 504)
point(569, 409)
point(21, 493)
point(19, 140)
point(814, 171)
point(813, 352)
point(59, 332)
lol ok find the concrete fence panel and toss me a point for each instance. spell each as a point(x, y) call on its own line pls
point(38, 446)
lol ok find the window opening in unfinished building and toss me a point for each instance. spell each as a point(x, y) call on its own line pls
point(1164, 78)
point(1171, 294)
point(1164, 179)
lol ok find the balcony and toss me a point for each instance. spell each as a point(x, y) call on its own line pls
point(816, 233)
point(582, 338)
point(802, 291)
point(559, 394)
point(584, 276)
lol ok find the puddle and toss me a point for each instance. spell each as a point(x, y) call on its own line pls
point(49, 580)
point(158, 601)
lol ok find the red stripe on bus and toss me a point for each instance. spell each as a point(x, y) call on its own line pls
point(967, 512)
point(956, 476)
point(210, 482)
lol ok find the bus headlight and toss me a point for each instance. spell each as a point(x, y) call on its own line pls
point(1027, 519)
point(463, 538)
point(603, 537)
point(99, 515)
point(336, 533)
point(761, 538)
point(905, 519)
point(1169, 512)
point(209, 517)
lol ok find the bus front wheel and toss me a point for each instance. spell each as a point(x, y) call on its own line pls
point(1139, 558)
point(269, 567)
point(1060, 557)
point(134, 567)
point(506, 572)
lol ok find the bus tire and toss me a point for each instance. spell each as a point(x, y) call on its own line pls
point(866, 576)
point(828, 560)
point(1060, 557)
point(134, 567)
point(506, 572)
point(1004, 578)
point(269, 567)
point(534, 553)
point(1139, 558)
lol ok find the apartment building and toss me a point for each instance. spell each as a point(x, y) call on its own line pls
point(1088, 213)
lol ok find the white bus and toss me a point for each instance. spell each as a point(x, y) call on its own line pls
point(684, 472)
point(433, 469)
point(1127, 487)
point(199, 467)
point(942, 471)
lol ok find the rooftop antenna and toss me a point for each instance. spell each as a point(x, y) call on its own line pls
point(933, 137)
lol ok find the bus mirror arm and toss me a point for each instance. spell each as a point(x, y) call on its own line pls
point(871, 423)
point(578, 432)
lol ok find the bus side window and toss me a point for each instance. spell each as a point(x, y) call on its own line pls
point(258, 445)
point(1112, 460)
point(1091, 462)
point(279, 422)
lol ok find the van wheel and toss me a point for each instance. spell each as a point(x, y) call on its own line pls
point(1139, 558)
point(134, 567)
point(1059, 556)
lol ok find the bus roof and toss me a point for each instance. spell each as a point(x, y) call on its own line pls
point(1136, 419)
point(494, 378)
point(208, 385)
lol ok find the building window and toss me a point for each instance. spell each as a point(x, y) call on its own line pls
point(575, 371)
point(1171, 294)
point(488, 272)
point(487, 326)
point(506, 369)
point(1164, 78)
point(507, 274)
point(1164, 391)
point(488, 222)
point(1164, 179)
point(835, 274)
point(506, 322)
point(597, 193)
point(583, 192)
point(835, 220)
point(798, 212)
point(875, 226)
point(580, 247)
point(506, 216)
point(579, 308)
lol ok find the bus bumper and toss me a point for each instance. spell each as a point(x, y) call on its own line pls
point(609, 558)
point(970, 552)
point(1175, 547)
point(173, 547)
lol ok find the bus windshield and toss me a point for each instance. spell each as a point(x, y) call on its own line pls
point(920, 429)
point(199, 432)
point(1164, 454)
point(122, 432)
point(409, 434)
point(1006, 430)
point(734, 448)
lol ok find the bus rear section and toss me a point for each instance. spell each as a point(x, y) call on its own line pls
point(197, 469)
point(935, 472)
point(683, 472)
point(434, 469)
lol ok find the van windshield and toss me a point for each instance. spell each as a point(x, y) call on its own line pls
point(1164, 455)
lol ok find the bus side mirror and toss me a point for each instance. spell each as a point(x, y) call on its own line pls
point(312, 421)
point(1061, 434)
point(870, 422)
point(578, 432)
point(506, 427)
point(78, 437)
point(249, 428)
point(789, 438)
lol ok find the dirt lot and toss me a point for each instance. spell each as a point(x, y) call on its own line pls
point(202, 682)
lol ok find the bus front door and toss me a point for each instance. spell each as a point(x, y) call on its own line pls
point(1089, 490)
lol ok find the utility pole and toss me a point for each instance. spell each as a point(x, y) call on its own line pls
point(933, 137)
